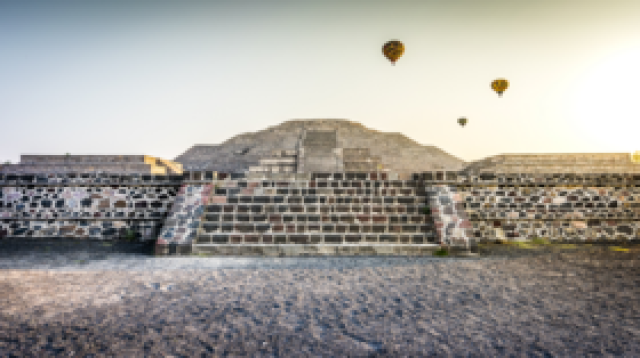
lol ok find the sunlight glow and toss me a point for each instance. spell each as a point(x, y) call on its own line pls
point(606, 105)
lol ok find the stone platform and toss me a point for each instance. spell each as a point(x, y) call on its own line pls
point(292, 250)
point(306, 214)
point(576, 163)
point(118, 164)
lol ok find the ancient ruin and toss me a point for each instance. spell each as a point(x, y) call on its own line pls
point(318, 146)
point(321, 187)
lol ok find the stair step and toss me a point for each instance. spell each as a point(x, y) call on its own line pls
point(364, 192)
point(319, 228)
point(306, 238)
point(319, 200)
point(317, 194)
point(263, 183)
point(312, 201)
point(319, 249)
point(416, 209)
point(313, 219)
point(367, 175)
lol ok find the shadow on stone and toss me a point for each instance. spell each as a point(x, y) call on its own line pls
point(15, 247)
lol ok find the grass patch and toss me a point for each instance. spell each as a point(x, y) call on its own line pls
point(618, 248)
point(535, 242)
point(543, 242)
point(441, 252)
point(200, 254)
point(524, 245)
point(130, 236)
point(540, 241)
point(567, 246)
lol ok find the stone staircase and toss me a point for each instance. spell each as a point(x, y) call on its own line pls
point(280, 161)
point(318, 152)
point(450, 219)
point(360, 160)
point(316, 213)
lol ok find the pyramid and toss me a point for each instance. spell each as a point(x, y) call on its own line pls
point(319, 145)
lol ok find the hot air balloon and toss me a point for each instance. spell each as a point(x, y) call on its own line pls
point(462, 121)
point(500, 85)
point(392, 50)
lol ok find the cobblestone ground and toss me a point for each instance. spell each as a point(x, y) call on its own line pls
point(520, 302)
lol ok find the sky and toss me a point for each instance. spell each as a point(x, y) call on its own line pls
point(155, 78)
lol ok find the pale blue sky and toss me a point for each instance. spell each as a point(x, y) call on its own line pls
point(155, 79)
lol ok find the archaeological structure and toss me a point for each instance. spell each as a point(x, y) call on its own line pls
point(308, 187)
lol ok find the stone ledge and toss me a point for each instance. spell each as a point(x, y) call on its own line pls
point(284, 250)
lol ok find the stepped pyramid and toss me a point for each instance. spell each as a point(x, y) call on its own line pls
point(319, 145)
point(326, 186)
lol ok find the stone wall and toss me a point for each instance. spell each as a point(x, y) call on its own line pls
point(100, 206)
point(22, 168)
point(568, 163)
point(567, 207)
point(57, 159)
point(92, 164)
point(464, 208)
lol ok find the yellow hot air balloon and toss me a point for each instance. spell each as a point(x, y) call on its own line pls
point(392, 50)
point(500, 85)
point(462, 121)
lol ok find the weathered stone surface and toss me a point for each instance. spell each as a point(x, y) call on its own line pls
point(51, 164)
point(395, 152)
point(568, 163)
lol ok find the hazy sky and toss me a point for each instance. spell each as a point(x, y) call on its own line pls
point(154, 79)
